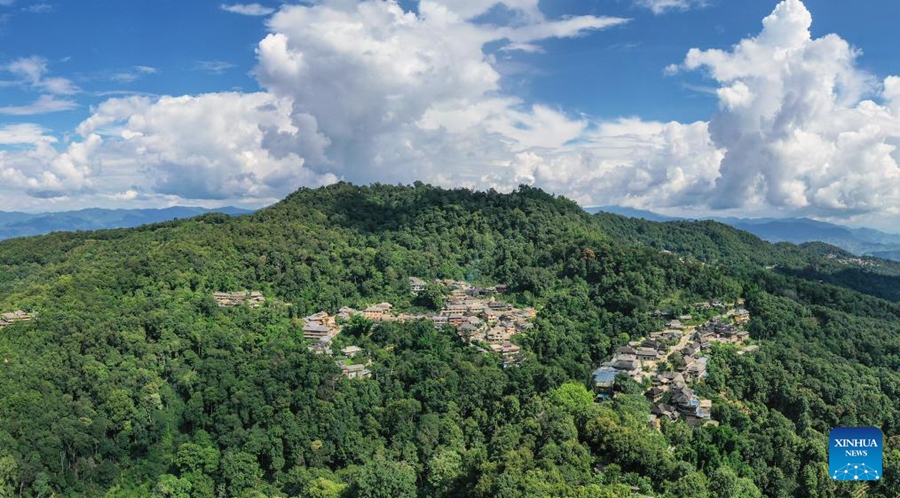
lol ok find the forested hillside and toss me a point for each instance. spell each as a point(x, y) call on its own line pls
point(132, 382)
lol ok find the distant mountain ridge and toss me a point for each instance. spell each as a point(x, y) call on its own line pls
point(859, 241)
point(16, 224)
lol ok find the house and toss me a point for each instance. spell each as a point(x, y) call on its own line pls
point(528, 313)
point(346, 313)
point(625, 362)
point(741, 316)
point(510, 353)
point(351, 351)
point(466, 331)
point(652, 343)
point(499, 306)
point(378, 312)
point(667, 411)
point(604, 377)
point(354, 371)
point(647, 354)
point(490, 316)
point(691, 349)
point(15, 316)
point(495, 334)
point(501, 288)
point(254, 299)
point(684, 398)
point(316, 331)
point(671, 335)
point(626, 350)
point(477, 291)
point(417, 285)
point(321, 346)
point(704, 409)
point(321, 318)
point(696, 369)
point(675, 324)
point(655, 394)
point(455, 308)
point(673, 378)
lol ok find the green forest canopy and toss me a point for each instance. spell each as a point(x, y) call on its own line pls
point(132, 382)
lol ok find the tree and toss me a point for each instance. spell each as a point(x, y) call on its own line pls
point(384, 479)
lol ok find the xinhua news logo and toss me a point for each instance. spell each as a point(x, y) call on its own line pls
point(854, 454)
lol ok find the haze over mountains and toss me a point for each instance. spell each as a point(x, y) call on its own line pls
point(859, 241)
point(16, 224)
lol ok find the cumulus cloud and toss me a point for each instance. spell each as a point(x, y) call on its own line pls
point(187, 154)
point(370, 91)
point(799, 124)
point(249, 9)
point(390, 88)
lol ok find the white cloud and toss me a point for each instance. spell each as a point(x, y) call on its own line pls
point(391, 88)
point(214, 67)
point(38, 8)
point(43, 172)
point(32, 70)
point(24, 134)
point(45, 104)
point(205, 147)
point(250, 9)
point(367, 91)
point(799, 131)
point(663, 6)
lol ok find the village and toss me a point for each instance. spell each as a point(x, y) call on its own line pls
point(671, 359)
point(666, 363)
point(478, 316)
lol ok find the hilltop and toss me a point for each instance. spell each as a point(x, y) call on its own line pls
point(132, 379)
point(859, 241)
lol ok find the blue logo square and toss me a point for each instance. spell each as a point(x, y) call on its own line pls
point(854, 454)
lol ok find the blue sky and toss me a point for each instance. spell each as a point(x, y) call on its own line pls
point(619, 72)
point(110, 103)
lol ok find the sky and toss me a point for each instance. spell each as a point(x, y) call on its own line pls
point(683, 107)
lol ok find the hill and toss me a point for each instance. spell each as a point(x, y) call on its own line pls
point(859, 241)
point(14, 224)
point(130, 380)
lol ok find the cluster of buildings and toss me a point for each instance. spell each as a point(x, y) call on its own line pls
point(253, 299)
point(14, 317)
point(320, 328)
point(350, 368)
point(473, 311)
point(670, 393)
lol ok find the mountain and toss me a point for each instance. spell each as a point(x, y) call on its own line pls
point(131, 380)
point(631, 213)
point(859, 241)
point(15, 224)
